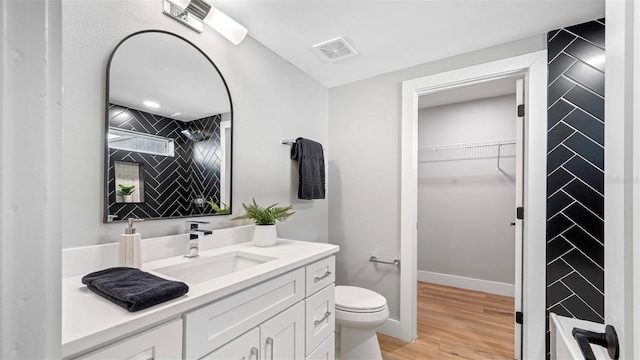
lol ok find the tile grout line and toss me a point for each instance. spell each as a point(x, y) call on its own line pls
point(587, 256)
point(577, 201)
point(583, 38)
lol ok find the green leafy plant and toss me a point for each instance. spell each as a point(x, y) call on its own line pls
point(224, 210)
point(265, 215)
point(127, 190)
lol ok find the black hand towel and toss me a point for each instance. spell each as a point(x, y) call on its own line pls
point(311, 177)
point(133, 289)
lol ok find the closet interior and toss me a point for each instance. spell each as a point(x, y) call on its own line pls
point(466, 212)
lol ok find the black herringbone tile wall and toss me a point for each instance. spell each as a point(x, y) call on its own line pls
point(575, 169)
point(170, 182)
point(206, 161)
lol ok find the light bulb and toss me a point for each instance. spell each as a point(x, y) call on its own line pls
point(226, 26)
point(151, 104)
point(181, 3)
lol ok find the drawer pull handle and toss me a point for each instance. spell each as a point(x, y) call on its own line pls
point(255, 352)
point(325, 317)
point(320, 278)
point(270, 344)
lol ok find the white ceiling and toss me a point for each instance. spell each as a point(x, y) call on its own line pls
point(488, 89)
point(395, 34)
point(164, 69)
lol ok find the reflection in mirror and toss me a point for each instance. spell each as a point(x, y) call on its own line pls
point(168, 130)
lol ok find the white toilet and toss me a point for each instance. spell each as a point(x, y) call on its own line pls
point(358, 313)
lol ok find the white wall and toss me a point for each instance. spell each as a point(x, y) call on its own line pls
point(464, 204)
point(272, 100)
point(364, 170)
point(30, 147)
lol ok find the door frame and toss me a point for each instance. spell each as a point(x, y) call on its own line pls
point(534, 68)
point(621, 171)
point(636, 196)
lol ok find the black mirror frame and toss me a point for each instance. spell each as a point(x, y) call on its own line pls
point(105, 197)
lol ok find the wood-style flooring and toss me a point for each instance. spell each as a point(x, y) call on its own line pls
point(456, 324)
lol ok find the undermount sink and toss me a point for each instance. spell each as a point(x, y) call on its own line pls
point(203, 269)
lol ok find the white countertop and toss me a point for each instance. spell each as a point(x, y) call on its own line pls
point(88, 320)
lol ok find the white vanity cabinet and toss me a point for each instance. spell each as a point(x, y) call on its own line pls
point(320, 315)
point(282, 309)
point(326, 350)
point(160, 343)
point(281, 337)
point(245, 347)
point(274, 320)
point(216, 324)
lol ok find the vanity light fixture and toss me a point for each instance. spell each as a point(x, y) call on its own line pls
point(196, 12)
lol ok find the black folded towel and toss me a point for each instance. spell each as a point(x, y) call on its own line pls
point(311, 177)
point(133, 289)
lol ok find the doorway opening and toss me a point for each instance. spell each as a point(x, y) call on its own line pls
point(470, 181)
point(533, 67)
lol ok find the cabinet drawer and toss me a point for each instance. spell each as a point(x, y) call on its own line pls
point(320, 274)
point(320, 317)
point(326, 350)
point(162, 342)
point(244, 347)
point(217, 323)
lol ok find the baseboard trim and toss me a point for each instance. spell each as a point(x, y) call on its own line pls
point(491, 287)
point(391, 328)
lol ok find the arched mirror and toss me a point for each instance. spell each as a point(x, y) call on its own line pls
point(168, 131)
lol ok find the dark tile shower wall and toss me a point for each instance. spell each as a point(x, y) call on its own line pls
point(206, 160)
point(575, 169)
point(170, 182)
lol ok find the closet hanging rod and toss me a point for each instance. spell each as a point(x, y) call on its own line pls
point(469, 145)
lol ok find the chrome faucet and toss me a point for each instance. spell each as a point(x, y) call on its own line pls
point(192, 228)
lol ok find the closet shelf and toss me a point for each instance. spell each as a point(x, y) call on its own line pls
point(488, 149)
point(498, 142)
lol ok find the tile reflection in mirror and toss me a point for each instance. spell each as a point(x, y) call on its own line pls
point(170, 111)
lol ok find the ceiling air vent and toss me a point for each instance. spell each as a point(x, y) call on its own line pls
point(336, 49)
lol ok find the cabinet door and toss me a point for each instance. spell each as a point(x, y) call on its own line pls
point(213, 325)
point(244, 347)
point(163, 342)
point(282, 337)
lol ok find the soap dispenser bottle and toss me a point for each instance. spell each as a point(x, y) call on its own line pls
point(130, 255)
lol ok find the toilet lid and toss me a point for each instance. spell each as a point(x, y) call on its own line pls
point(356, 299)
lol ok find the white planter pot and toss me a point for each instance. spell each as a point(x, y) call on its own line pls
point(265, 235)
point(127, 198)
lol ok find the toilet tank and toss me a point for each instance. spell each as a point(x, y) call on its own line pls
point(563, 346)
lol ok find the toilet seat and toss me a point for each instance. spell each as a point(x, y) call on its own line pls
point(361, 311)
point(358, 300)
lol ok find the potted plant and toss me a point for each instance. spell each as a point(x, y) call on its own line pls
point(219, 210)
point(265, 233)
point(126, 192)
